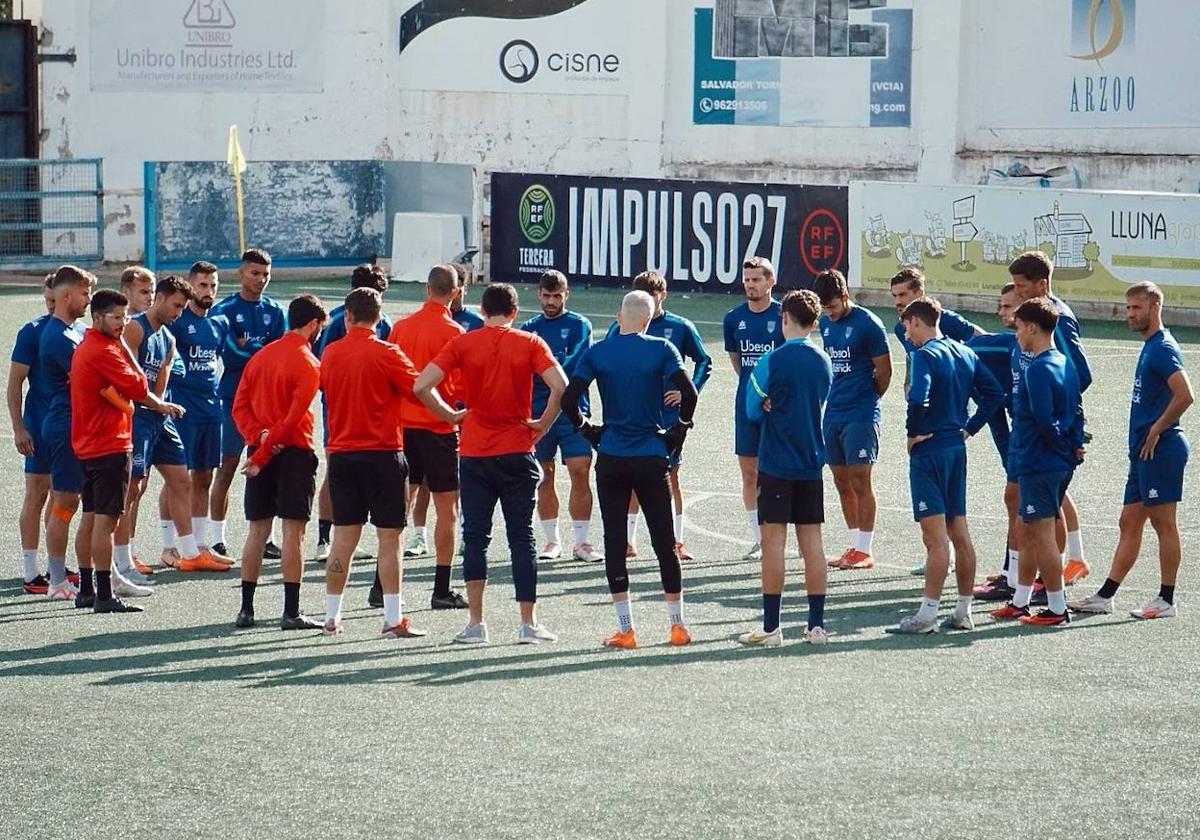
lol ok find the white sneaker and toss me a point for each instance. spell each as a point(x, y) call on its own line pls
point(550, 551)
point(816, 636)
point(755, 553)
point(911, 625)
point(1092, 604)
point(124, 588)
point(917, 571)
point(416, 548)
point(322, 552)
point(588, 554)
point(534, 634)
point(359, 554)
point(1158, 608)
point(761, 638)
point(65, 591)
point(331, 628)
point(473, 634)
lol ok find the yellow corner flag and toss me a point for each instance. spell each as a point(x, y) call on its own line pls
point(237, 161)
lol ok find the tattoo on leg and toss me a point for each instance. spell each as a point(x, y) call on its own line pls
point(335, 565)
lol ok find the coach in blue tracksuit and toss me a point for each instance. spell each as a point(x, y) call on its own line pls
point(786, 394)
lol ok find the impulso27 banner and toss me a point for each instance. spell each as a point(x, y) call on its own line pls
point(697, 234)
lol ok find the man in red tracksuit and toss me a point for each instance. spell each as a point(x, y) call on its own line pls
point(273, 412)
point(105, 381)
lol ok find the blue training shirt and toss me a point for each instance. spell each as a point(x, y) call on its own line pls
point(25, 352)
point(796, 378)
point(853, 343)
point(1047, 415)
point(952, 325)
point(151, 354)
point(467, 319)
point(630, 370)
point(995, 352)
point(55, 351)
point(198, 342)
point(568, 336)
point(259, 322)
point(683, 334)
point(751, 335)
point(945, 375)
point(1068, 339)
point(1160, 359)
point(336, 330)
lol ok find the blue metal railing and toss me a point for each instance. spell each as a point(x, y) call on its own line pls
point(51, 212)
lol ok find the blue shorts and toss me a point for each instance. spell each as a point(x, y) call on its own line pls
point(156, 443)
point(851, 444)
point(66, 475)
point(746, 436)
point(39, 462)
point(561, 438)
point(938, 481)
point(201, 443)
point(232, 443)
point(1041, 494)
point(1158, 481)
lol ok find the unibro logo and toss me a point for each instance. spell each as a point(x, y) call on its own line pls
point(209, 23)
point(536, 214)
point(520, 62)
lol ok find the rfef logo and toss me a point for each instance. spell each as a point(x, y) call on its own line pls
point(822, 241)
point(536, 214)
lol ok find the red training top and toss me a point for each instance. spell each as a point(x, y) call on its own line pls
point(99, 428)
point(275, 396)
point(364, 380)
point(422, 335)
point(496, 365)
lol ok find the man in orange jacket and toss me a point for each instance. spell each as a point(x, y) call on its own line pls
point(273, 412)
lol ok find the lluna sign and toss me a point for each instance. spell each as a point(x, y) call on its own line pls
point(697, 234)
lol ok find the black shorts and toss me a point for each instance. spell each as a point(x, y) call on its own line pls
point(783, 501)
point(432, 459)
point(106, 484)
point(368, 484)
point(285, 488)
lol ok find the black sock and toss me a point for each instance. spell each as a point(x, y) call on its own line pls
point(377, 584)
point(85, 581)
point(324, 526)
point(1167, 593)
point(441, 581)
point(1109, 588)
point(291, 599)
point(1004, 567)
point(103, 585)
point(248, 587)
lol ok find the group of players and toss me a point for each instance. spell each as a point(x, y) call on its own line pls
point(469, 411)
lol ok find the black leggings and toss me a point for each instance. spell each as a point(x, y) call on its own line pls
point(616, 478)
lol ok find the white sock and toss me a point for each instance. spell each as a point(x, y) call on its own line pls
point(675, 611)
point(29, 559)
point(550, 530)
point(853, 543)
point(864, 541)
point(200, 530)
point(928, 610)
point(216, 531)
point(1074, 545)
point(624, 615)
point(581, 528)
point(333, 607)
point(418, 534)
point(168, 533)
point(1022, 595)
point(133, 547)
point(679, 527)
point(1056, 601)
point(122, 558)
point(964, 605)
point(752, 521)
point(393, 610)
point(187, 546)
point(631, 528)
point(950, 551)
point(1014, 563)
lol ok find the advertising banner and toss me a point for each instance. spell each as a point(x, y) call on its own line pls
point(208, 45)
point(697, 234)
point(1087, 64)
point(964, 237)
point(803, 62)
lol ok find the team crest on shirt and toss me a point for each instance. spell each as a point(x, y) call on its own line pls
point(741, 325)
point(849, 332)
point(667, 333)
point(564, 332)
point(267, 320)
point(771, 327)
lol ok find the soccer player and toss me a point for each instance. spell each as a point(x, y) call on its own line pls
point(463, 316)
point(72, 287)
point(1031, 275)
point(104, 373)
point(273, 411)
point(752, 330)
point(363, 379)
point(199, 336)
point(156, 441)
point(856, 342)
point(787, 392)
point(430, 443)
point(365, 276)
point(633, 372)
point(255, 320)
point(683, 334)
point(26, 413)
point(944, 375)
point(1158, 455)
point(1046, 446)
point(908, 285)
point(496, 462)
point(568, 335)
